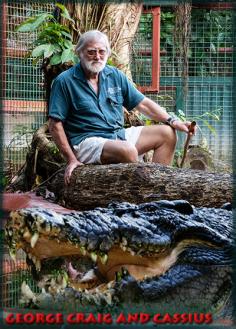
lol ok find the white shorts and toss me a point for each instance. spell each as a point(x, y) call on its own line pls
point(90, 149)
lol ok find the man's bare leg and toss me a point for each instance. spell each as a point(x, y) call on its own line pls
point(160, 138)
point(118, 152)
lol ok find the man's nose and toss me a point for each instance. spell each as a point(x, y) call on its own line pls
point(97, 55)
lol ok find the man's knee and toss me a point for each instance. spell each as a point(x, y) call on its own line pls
point(170, 135)
point(128, 153)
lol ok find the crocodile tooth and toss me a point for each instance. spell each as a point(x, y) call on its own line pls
point(53, 283)
point(10, 232)
point(12, 254)
point(124, 241)
point(83, 251)
point(29, 255)
point(59, 278)
point(123, 247)
point(132, 252)
point(109, 285)
point(38, 265)
point(34, 239)
point(48, 227)
point(108, 298)
point(93, 256)
point(27, 235)
point(86, 291)
point(34, 259)
point(104, 259)
point(40, 220)
point(64, 282)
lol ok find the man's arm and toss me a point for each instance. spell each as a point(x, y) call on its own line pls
point(157, 113)
point(58, 134)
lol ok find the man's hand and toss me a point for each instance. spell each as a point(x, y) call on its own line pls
point(183, 126)
point(69, 169)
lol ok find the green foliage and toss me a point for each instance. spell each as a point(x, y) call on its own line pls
point(168, 22)
point(54, 40)
point(202, 119)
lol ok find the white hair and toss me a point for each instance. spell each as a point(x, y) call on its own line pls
point(93, 35)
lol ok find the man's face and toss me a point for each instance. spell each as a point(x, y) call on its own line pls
point(94, 56)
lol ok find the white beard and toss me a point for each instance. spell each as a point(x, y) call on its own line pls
point(93, 66)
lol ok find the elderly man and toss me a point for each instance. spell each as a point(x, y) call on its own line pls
point(86, 113)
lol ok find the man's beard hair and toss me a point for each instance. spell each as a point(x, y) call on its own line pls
point(93, 66)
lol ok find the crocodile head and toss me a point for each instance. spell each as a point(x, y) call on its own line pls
point(163, 252)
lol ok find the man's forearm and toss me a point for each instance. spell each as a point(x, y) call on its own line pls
point(152, 110)
point(58, 134)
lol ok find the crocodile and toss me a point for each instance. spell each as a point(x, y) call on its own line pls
point(166, 254)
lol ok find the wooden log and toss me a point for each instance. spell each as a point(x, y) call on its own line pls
point(98, 185)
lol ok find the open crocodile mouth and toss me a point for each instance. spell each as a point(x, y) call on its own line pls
point(93, 250)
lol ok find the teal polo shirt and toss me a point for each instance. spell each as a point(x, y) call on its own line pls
point(85, 114)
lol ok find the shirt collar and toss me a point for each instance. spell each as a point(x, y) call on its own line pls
point(79, 73)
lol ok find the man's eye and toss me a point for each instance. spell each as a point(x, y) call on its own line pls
point(92, 52)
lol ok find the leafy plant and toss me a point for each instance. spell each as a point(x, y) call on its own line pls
point(54, 40)
point(202, 118)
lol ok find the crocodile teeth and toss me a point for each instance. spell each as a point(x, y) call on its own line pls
point(94, 256)
point(34, 240)
point(89, 276)
point(27, 292)
point(104, 259)
point(38, 265)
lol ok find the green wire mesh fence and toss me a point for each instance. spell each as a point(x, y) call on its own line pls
point(208, 99)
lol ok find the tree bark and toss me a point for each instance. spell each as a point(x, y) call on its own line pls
point(98, 185)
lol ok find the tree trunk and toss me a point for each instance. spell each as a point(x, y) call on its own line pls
point(118, 20)
point(98, 185)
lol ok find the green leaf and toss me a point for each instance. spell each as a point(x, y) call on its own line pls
point(49, 51)
point(67, 55)
point(56, 59)
point(25, 28)
point(69, 19)
point(75, 59)
point(41, 19)
point(66, 35)
point(65, 12)
point(68, 44)
point(41, 50)
point(57, 48)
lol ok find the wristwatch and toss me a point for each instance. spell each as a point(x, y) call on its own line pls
point(170, 121)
